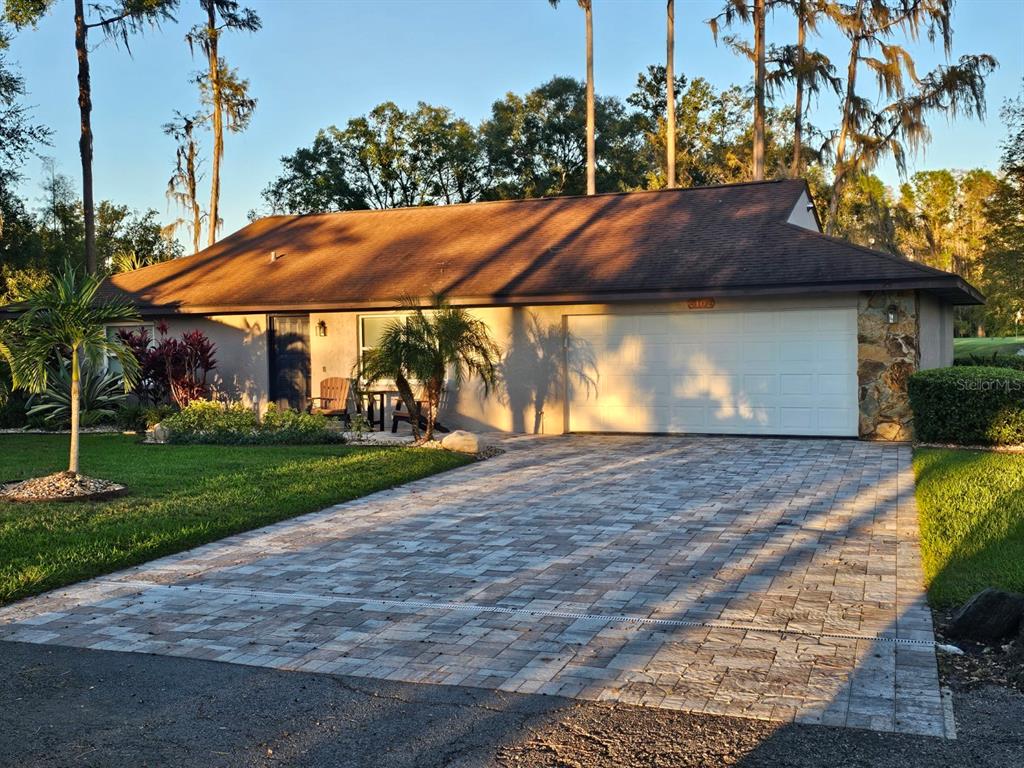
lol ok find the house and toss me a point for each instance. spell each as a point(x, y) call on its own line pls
point(708, 310)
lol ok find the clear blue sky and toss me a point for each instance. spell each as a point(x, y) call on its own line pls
point(319, 62)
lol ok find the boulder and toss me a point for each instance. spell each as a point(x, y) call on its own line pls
point(462, 441)
point(990, 615)
point(160, 434)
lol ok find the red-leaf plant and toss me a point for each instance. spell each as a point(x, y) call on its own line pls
point(178, 368)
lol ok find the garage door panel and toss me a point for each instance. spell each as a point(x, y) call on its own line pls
point(779, 372)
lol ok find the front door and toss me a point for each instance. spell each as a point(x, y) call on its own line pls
point(289, 361)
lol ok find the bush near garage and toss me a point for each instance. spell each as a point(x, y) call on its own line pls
point(968, 405)
point(213, 423)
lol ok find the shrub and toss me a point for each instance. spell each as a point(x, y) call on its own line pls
point(170, 367)
point(288, 426)
point(968, 405)
point(995, 360)
point(204, 421)
point(100, 394)
point(140, 418)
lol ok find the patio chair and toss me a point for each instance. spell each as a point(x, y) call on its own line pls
point(335, 395)
point(400, 413)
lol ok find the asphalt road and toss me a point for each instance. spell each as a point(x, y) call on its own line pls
point(72, 707)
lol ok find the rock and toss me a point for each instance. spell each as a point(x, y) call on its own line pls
point(992, 614)
point(462, 441)
point(952, 650)
point(160, 434)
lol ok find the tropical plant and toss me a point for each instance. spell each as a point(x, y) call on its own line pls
point(423, 348)
point(65, 317)
point(226, 94)
point(101, 394)
point(588, 12)
point(116, 22)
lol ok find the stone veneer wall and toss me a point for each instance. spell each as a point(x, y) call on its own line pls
point(887, 354)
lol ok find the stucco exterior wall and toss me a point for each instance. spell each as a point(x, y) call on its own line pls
point(802, 215)
point(242, 372)
point(936, 327)
point(531, 396)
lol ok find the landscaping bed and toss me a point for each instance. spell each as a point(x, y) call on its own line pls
point(178, 497)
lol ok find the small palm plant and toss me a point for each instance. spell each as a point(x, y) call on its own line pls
point(63, 318)
point(422, 348)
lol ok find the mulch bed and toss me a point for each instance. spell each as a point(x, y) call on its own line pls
point(981, 663)
point(61, 486)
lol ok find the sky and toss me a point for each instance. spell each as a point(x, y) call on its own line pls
point(320, 62)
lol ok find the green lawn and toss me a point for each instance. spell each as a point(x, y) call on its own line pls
point(180, 497)
point(973, 346)
point(971, 507)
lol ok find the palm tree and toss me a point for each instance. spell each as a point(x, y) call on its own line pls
point(810, 71)
point(423, 347)
point(738, 9)
point(670, 96)
point(63, 317)
point(207, 37)
point(587, 6)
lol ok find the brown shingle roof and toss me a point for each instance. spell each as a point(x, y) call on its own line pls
point(710, 240)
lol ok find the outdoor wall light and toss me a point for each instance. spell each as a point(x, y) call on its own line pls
point(321, 328)
point(892, 314)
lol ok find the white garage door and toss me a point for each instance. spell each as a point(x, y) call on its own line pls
point(788, 372)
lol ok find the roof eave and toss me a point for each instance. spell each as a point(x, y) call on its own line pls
point(950, 289)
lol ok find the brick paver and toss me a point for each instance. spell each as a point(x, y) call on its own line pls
point(764, 578)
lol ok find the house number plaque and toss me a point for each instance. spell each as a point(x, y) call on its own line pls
point(701, 303)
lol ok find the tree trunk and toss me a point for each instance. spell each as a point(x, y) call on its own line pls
point(591, 157)
point(218, 125)
point(759, 84)
point(798, 121)
point(193, 191)
point(434, 389)
point(75, 397)
point(670, 98)
point(85, 138)
point(411, 404)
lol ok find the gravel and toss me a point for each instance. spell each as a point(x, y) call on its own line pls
point(60, 486)
point(77, 707)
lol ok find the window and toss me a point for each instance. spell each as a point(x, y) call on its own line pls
point(371, 330)
point(111, 364)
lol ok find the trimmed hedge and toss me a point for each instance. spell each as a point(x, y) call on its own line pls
point(995, 360)
point(968, 405)
point(211, 423)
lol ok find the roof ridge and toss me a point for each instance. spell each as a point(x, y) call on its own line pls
point(517, 200)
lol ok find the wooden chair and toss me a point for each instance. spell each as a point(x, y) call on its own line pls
point(334, 399)
point(400, 413)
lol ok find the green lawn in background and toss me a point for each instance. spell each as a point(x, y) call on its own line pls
point(179, 497)
point(1007, 345)
point(971, 509)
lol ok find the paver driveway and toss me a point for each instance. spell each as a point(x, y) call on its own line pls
point(766, 578)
